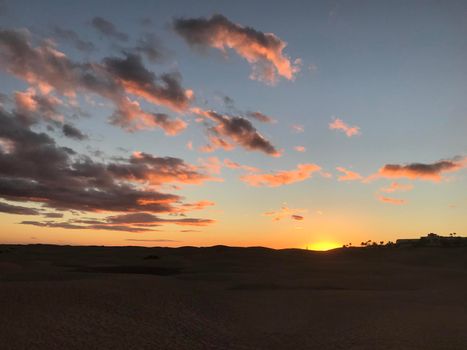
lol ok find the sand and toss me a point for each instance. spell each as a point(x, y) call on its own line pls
point(59, 297)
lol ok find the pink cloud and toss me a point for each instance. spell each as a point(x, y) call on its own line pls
point(339, 124)
point(298, 128)
point(300, 149)
point(348, 175)
point(114, 79)
point(264, 51)
point(25, 100)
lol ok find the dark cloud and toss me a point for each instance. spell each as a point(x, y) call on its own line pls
point(138, 80)
point(297, 217)
point(50, 224)
point(4, 99)
point(73, 38)
point(32, 107)
point(71, 182)
point(150, 240)
point(146, 21)
point(151, 46)
point(229, 130)
point(228, 102)
point(15, 209)
point(157, 170)
point(73, 132)
point(261, 117)
point(133, 222)
point(53, 215)
point(130, 68)
point(3, 8)
point(146, 218)
point(262, 50)
point(430, 171)
point(107, 28)
point(71, 226)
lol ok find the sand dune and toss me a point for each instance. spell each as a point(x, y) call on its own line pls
point(61, 297)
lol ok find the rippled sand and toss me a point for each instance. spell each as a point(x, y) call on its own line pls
point(54, 297)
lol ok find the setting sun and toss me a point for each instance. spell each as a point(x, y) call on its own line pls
point(324, 246)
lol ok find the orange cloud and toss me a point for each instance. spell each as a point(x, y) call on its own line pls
point(233, 165)
point(263, 50)
point(25, 100)
point(339, 124)
point(348, 175)
point(395, 186)
point(194, 206)
point(284, 177)
point(391, 200)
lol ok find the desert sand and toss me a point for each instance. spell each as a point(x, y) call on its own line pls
point(63, 297)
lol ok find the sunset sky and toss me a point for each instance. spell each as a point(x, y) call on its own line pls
point(280, 124)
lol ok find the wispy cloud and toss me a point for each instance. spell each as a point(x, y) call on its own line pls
point(396, 187)
point(234, 165)
point(107, 28)
point(72, 37)
point(286, 212)
point(151, 240)
point(261, 117)
point(300, 149)
point(339, 124)
point(297, 128)
point(391, 200)
point(348, 175)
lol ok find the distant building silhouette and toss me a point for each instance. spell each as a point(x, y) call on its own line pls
point(433, 240)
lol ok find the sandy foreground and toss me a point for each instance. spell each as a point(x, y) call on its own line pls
point(60, 297)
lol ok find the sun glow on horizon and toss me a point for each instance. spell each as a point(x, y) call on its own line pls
point(323, 246)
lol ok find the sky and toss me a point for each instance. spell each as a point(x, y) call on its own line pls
point(280, 124)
